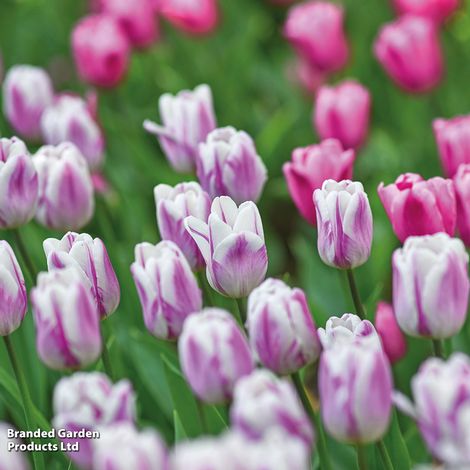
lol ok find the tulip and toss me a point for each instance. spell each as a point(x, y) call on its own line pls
point(233, 247)
point(441, 393)
point(462, 192)
point(9, 459)
point(431, 286)
point(65, 187)
point(89, 257)
point(392, 338)
point(167, 288)
point(437, 10)
point(122, 447)
point(70, 119)
point(136, 18)
point(344, 221)
point(27, 91)
point(67, 320)
point(173, 205)
point(214, 354)
point(187, 119)
point(228, 165)
point(281, 328)
point(355, 386)
point(310, 167)
point(419, 207)
point(13, 297)
point(18, 184)
point(316, 31)
point(192, 16)
point(410, 53)
point(89, 401)
point(262, 402)
point(101, 50)
point(343, 113)
point(453, 141)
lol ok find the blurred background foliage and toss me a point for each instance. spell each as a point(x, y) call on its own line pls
point(245, 62)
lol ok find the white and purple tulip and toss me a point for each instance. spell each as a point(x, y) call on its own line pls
point(89, 257)
point(281, 328)
point(344, 220)
point(233, 247)
point(10, 460)
point(174, 204)
point(214, 354)
point(431, 286)
point(229, 165)
point(167, 288)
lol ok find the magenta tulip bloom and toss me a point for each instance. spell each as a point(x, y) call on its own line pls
point(101, 50)
point(214, 354)
point(419, 207)
point(167, 288)
point(431, 286)
point(409, 51)
point(453, 142)
point(18, 184)
point(316, 31)
point(65, 188)
point(233, 247)
point(281, 328)
point(229, 165)
point(344, 221)
point(343, 113)
point(437, 10)
point(13, 297)
point(310, 167)
point(90, 258)
point(187, 118)
point(462, 192)
point(11, 459)
point(27, 91)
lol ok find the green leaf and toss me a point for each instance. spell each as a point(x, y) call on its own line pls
point(396, 445)
point(180, 433)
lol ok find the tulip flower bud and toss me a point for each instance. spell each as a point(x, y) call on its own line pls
point(89, 257)
point(441, 393)
point(122, 447)
point(27, 91)
point(18, 184)
point(13, 297)
point(89, 401)
point(213, 354)
point(262, 402)
point(187, 119)
point(344, 223)
point(392, 338)
point(281, 328)
point(436, 10)
point(233, 247)
point(418, 207)
point(192, 16)
point(67, 321)
point(409, 51)
point(173, 206)
point(431, 286)
point(343, 113)
point(462, 192)
point(10, 459)
point(316, 31)
point(167, 288)
point(228, 165)
point(347, 329)
point(101, 50)
point(65, 188)
point(136, 18)
point(355, 385)
point(311, 166)
point(453, 142)
point(70, 119)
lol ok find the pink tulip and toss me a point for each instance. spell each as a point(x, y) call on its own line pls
point(437, 10)
point(419, 207)
point(462, 192)
point(393, 341)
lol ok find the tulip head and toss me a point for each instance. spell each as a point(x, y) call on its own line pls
point(436, 10)
point(462, 193)
point(8, 459)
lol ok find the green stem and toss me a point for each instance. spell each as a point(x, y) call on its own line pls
point(361, 457)
point(202, 416)
point(25, 397)
point(355, 294)
point(107, 360)
point(31, 268)
point(438, 348)
point(205, 289)
point(241, 310)
point(387, 462)
point(325, 463)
